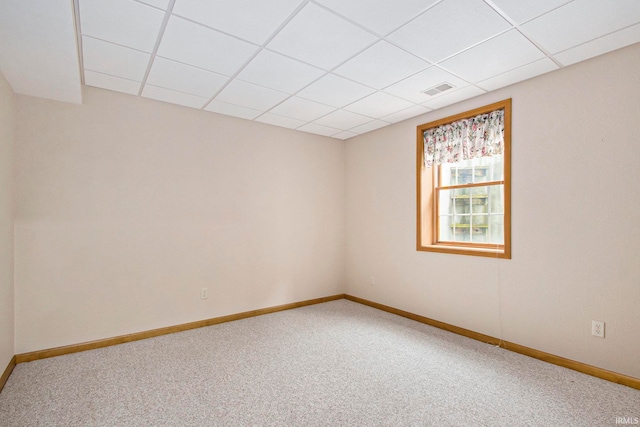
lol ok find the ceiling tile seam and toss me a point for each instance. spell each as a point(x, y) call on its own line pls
point(117, 44)
point(78, 29)
point(380, 37)
point(257, 52)
point(191, 66)
point(498, 34)
point(597, 38)
point(508, 71)
point(112, 75)
point(515, 25)
point(502, 13)
point(327, 72)
point(418, 72)
point(163, 27)
point(397, 46)
point(352, 127)
point(349, 20)
point(173, 90)
point(217, 30)
point(547, 53)
point(151, 5)
point(331, 70)
point(270, 111)
point(544, 13)
point(407, 22)
point(377, 91)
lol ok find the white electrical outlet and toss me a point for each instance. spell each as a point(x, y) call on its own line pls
point(204, 293)
point(597, 328)
point(372, 280)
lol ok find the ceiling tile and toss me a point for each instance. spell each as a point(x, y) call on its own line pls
point(166, 95)
point(162, 4)
point(106, 81)
point(274, 119)
point(109, 58)
point(301, 109)
point(381, 65)
point(496, 56)
point(411, 88)
point(368, 127)
point(334, 90)
point(453, 97)
point(448, 28)
point(342, 119)
point(319, 129)
point(405, 114)
point(381, 16)
point(345, 135)
point(525, 72)
point(278, 72)
point(250, 95)
point(617, 40)
point(194, 44)
point(320, 38)
point(522, 11)
point(581, 21)
point(232, 110)
point(121, 21)
point(379, 104)
point(252, 20)
point(185, 78)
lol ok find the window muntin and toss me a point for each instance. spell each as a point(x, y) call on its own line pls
point(464, 207)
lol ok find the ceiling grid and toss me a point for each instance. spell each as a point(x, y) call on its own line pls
point(337, 68)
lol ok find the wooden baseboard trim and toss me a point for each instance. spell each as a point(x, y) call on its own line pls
point(74, 348)
point(7, 373)
point(527, 351)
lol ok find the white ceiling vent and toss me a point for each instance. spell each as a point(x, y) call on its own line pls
point(438, 89)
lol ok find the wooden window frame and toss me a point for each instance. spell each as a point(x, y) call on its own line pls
point(426, 203)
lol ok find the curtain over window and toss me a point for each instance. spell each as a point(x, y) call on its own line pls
point(478, 136)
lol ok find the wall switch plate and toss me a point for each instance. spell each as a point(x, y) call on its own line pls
point(597, 328)
point(372, 280)
point(204, 293)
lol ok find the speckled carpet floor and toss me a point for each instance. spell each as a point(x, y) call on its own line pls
point(333, 364)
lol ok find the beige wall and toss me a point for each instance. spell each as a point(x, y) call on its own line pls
point(576, 220)
point(6, 223)
point(126, 207)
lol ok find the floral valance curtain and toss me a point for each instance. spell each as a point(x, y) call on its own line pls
point(478, 136)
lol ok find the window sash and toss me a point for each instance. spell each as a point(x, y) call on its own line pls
point(437, 214)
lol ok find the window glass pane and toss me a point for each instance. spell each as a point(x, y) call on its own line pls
point(446, 172)
point(497, 169)
point(472, 214)
point(460, 229)
point(472, 171)
point(459, 200)
point(496, 199)
point(479, 232)
point(496, 229)
point(446, 228)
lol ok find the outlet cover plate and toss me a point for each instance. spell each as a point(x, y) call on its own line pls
point(597, 328)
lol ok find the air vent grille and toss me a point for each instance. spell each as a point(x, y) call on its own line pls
point(437, 89)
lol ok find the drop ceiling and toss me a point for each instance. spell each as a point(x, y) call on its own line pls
point(337, 68)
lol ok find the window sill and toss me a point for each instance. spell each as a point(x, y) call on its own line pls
point(465, 250)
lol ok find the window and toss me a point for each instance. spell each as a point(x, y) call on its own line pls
point(464, 183)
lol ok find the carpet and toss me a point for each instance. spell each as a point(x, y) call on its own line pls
point(332, 364)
